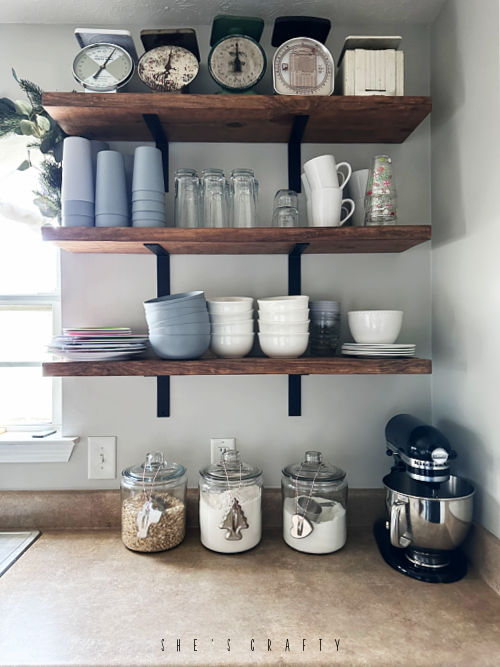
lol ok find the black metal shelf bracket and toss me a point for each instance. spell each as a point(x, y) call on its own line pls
point(294, 152)
point(160, 138)
point(162, 289)
point(294, 287)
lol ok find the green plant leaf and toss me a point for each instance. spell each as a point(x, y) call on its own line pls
point(43, 123)
point(47, 144)
point(23, 108)
point(24, 165)
point(47, 208)
point(28, 128)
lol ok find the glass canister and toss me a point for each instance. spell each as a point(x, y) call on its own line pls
point(153, 504)
point(230, 504)
point(314, 505)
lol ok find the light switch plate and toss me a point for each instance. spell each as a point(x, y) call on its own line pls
point(102, 457)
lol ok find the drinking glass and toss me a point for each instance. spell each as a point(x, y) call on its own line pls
point(243, 198)
point(286, 211)
point(214, 198)
point(380, 198)
point(187, 198)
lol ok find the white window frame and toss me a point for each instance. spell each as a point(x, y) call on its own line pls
point(52, 299)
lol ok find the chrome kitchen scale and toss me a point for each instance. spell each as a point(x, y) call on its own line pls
point(429, 511)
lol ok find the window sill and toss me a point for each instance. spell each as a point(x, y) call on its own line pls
point(20, 447)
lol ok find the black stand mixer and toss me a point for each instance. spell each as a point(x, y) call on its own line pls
point(429, 510)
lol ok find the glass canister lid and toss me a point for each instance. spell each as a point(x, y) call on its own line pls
point(314, 468)
point(232, 464)
point(154, 469)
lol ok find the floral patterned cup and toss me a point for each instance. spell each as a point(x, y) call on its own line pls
point(380, 199)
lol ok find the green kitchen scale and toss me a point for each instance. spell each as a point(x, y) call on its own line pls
point(237, 61)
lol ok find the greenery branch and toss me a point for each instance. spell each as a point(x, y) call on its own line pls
point(29, 118)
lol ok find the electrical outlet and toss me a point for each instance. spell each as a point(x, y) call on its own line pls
point(218, 446)
point(102, 457)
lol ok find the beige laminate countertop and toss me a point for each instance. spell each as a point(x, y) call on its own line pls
point(81, 598)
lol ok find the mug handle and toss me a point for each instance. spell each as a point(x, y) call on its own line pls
point(345, 177)
point(343, 205)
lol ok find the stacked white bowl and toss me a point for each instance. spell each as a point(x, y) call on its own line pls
point(231, 319)
point(178, 324)
point(284, 325)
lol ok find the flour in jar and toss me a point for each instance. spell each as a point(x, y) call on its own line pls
point(329, 532)
point(214, 508)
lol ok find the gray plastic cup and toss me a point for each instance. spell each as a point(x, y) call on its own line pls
point(150, 195)
point(77, 174)
point(148, 205)
point(148, 223)
point(77, 220)
point(148, 169)
point(97, 146)
point(74, 207)
point(111, 220)
point(111, 188)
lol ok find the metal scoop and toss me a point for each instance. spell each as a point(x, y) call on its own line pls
point(310, 508)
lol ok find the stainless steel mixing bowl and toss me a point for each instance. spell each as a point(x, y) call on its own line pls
point(428, 516)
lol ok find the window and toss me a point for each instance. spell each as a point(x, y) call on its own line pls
point(29, 306)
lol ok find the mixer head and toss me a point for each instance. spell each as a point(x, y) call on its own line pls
point(419, 449)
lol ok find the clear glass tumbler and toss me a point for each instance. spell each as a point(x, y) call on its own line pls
point(285, 209)
point(244, 190)
point(187, 198)
point(215, 211)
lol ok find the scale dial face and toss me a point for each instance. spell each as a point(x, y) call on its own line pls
point(168, 68)
point(303, 66)
point(103, 67)
point(237, 62)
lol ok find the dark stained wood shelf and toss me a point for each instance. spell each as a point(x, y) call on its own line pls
point(245, 366)
point(260, 240)
point(238, 118)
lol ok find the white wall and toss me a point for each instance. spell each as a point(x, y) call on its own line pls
point(466, 242)
point(343, 416)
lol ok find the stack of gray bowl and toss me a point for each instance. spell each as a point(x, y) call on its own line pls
point(179, 326)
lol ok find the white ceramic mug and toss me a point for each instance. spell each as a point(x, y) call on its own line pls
point(324, 172)
point(307, 191)
point(326, 208)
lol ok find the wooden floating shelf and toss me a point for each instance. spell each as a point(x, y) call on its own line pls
point(245, 366)
point(238, 118)
point(260, 240)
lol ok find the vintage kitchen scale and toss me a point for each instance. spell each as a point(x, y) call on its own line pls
point(171, 60)
point(106, 61)
point(429, 510)
point(237, 61)
point(302, 65)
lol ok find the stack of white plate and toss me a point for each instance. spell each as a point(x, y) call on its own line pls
point(98, 343)
point(379, 349)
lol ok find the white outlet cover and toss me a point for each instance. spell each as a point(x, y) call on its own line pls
point(219, 445)
point(102, 457)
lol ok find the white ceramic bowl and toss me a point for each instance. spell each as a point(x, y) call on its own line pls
point(283, 303)
point(287, 346)
point(231, 346)
point(375, 326)
point(244, 327)
point(231, 318)
point(230, 304)
point(283, 327)
point(295, 315)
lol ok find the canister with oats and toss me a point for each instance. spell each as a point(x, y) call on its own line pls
point(153, 504)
